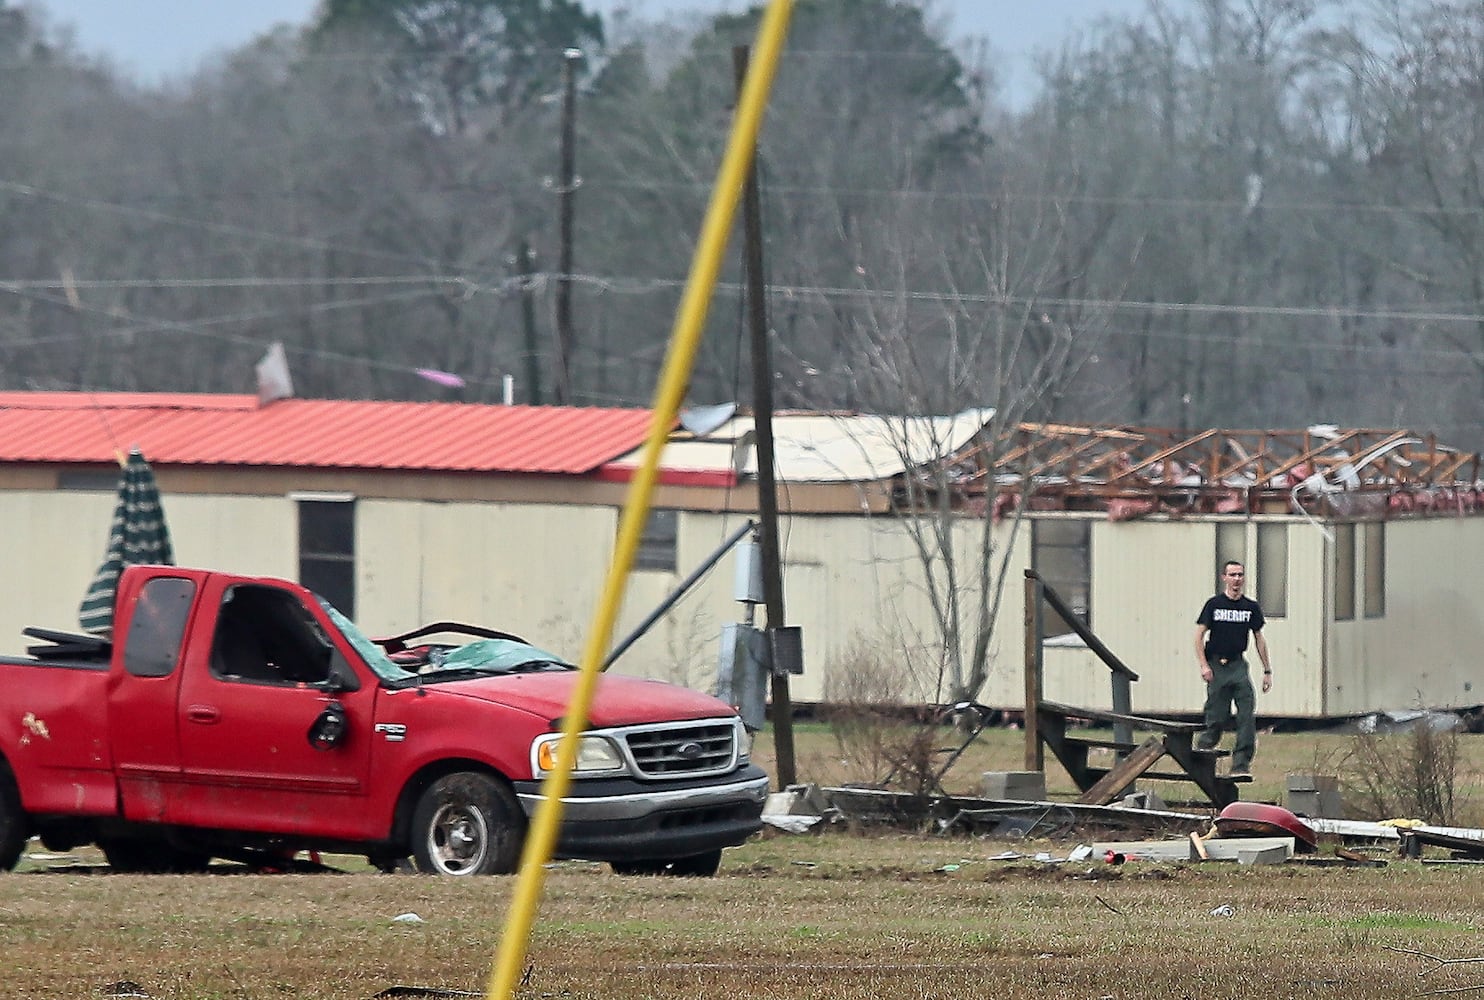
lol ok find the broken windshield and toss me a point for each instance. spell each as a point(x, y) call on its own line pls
point(374, 655)
point(493, 656)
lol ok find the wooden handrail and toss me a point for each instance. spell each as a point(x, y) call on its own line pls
point(1070, 617)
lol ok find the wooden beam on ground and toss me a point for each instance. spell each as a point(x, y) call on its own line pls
point(1109, 785)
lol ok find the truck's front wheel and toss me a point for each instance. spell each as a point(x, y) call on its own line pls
point(14, 828)
point(467, 824)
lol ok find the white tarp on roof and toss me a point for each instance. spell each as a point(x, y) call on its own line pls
point(826, 447)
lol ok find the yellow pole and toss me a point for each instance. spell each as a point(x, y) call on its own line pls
point(685, 339)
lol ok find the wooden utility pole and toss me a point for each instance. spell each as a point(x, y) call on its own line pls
point(767, 487)
point(524, 260)
point(566, 195)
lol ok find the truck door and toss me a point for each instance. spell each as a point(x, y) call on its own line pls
point(142, 697)
point(252, 701)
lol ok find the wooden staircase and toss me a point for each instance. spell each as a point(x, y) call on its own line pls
point(1047, 724)
point(1169, 739)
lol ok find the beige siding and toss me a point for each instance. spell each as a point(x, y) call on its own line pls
point(52, 559)
point(50, 555)
point(1149, 581)
point(853, 582)
point(1297, 640)
point(529, 569)
point(256, 535)
point(1426, 649)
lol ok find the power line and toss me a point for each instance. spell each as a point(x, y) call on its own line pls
point(223, 228)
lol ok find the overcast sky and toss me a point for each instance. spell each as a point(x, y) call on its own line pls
point(160, 38)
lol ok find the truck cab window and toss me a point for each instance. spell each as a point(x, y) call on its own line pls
point(266, 636)
point(158, 626)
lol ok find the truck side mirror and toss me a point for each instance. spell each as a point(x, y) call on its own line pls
point(329, 728)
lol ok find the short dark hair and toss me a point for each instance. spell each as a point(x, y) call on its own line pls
point(1229, 564)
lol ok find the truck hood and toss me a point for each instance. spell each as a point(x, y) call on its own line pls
point(618, 701)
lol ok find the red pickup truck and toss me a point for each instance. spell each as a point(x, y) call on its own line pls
point(243, 717)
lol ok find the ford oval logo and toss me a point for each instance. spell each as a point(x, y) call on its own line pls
point(689, 751)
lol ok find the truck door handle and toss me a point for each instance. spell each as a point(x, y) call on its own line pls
point(205, 714)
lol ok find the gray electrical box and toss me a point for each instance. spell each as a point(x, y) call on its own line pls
point(742, 671)
point(787, 649)
point(748, 585)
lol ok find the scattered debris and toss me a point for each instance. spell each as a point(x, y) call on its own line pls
point(1249, 833)
point(1258, 819)
point(1356, 858)
point(124, 988)
point(1405, 720)
point(798, 809)
point(407, 918)
point(421, 991)
point(1414, 838)
point(1224, 910)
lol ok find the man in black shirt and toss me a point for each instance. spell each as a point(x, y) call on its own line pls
point(1221, 633)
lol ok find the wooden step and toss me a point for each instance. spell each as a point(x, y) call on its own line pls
point(1137, 721)
point(1129, 747)
point(1172, 776)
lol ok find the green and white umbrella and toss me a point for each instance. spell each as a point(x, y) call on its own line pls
point(138, 535)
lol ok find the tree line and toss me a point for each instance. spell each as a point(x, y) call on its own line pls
point(1239, 213)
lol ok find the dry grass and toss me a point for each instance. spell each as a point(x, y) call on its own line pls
point(837, 914)
point(789, 917)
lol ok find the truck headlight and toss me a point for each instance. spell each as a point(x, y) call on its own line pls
point(744, 743)
point(595, 754)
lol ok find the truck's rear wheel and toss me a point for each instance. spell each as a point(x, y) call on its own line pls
point(15, 828)
point(467, 824)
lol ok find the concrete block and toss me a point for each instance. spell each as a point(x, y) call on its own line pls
point(1027, 786)
point(1145, 799)
point(1274, 855)
point(1232, 848)
point(1146, 850)
point(1315, 795)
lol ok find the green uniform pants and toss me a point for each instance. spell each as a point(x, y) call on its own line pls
point(1230, 686)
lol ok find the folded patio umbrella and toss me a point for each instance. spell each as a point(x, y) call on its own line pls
point(138, 535)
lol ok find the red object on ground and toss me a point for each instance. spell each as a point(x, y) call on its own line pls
point(1258, 819)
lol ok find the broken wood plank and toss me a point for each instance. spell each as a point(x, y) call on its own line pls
point(1107, 787)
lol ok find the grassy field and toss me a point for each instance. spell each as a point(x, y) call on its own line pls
point(838, 914)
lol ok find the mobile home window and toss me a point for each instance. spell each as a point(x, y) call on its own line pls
point(1231, 544)
point(1375, 569)
point(1272, 569)
point(1344, 572)
point(327, 551)
point(1061, 554)
point(658, 543)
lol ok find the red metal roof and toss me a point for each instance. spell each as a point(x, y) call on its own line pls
point(230, 430)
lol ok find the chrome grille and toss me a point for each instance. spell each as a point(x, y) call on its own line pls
point(685, 749)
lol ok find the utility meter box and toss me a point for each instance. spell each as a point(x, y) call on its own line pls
point(748, 585)
point(742, 672)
